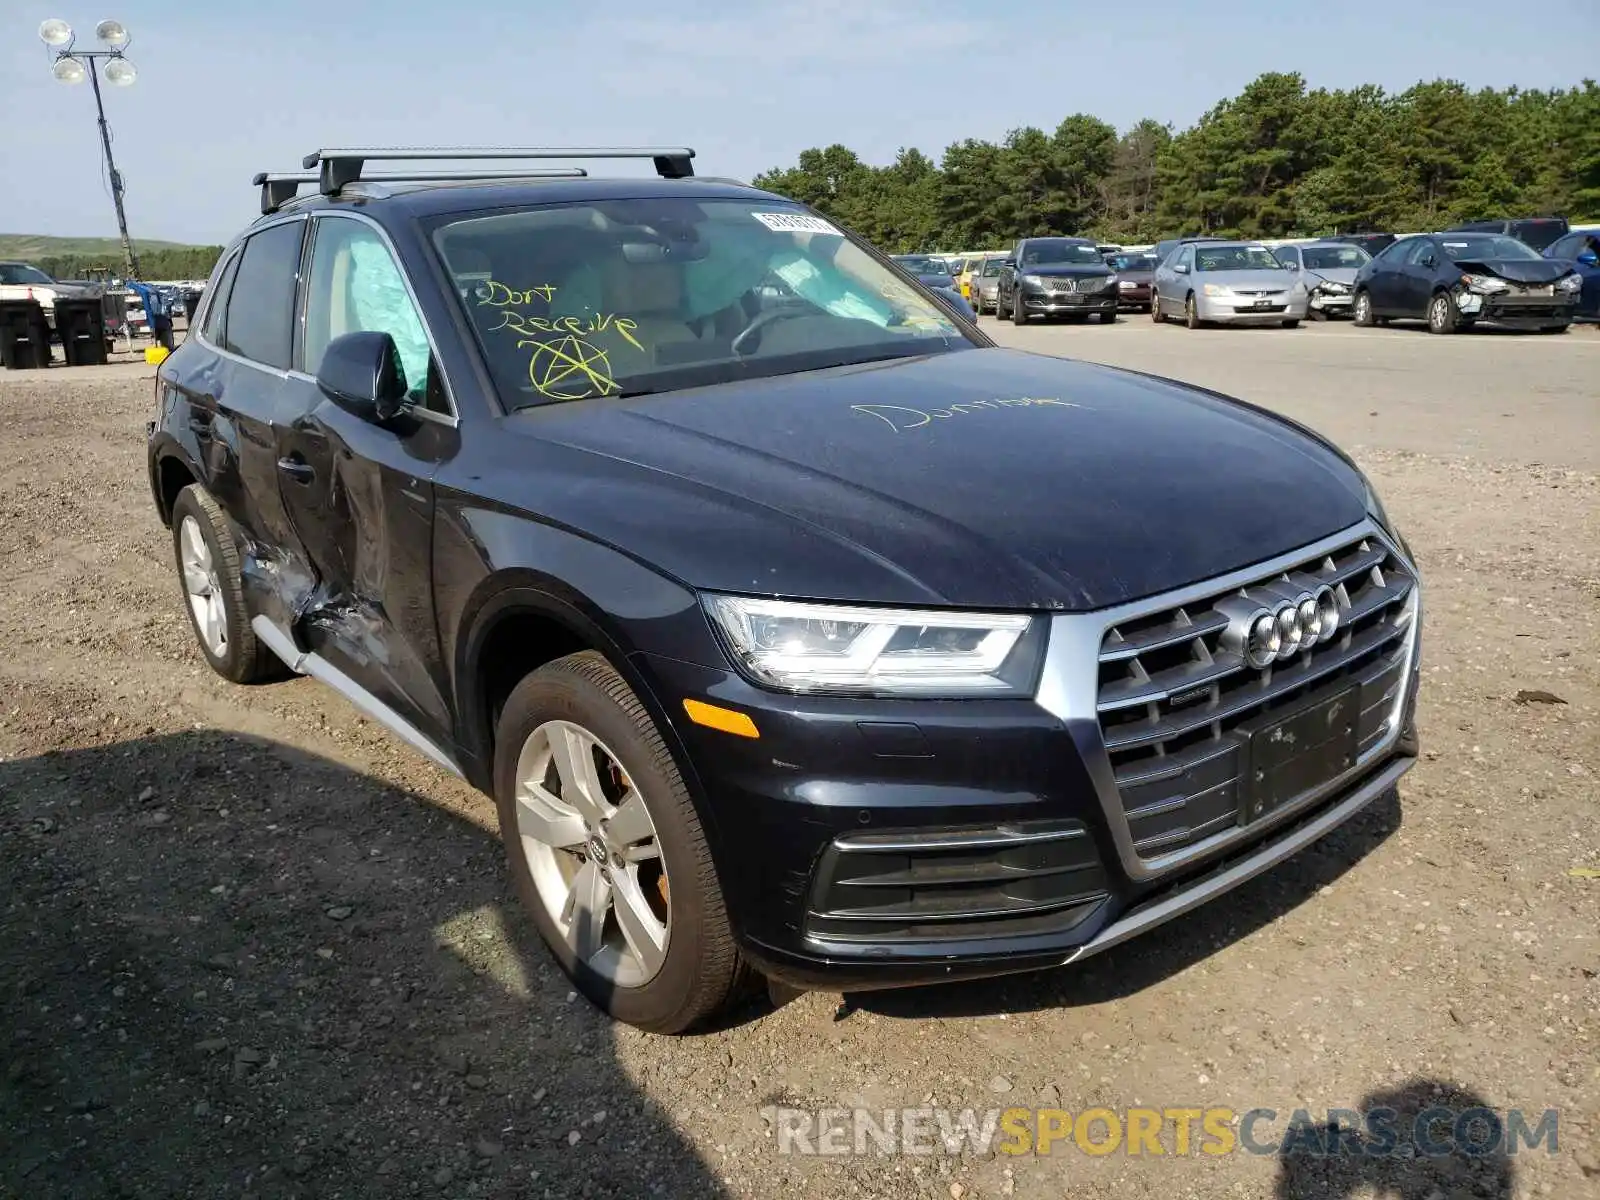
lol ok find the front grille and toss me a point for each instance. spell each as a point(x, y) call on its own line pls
point(1059, 285)
point(947, 884)
point(1177, 708)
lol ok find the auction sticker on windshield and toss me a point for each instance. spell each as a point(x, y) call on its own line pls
point(795, 223)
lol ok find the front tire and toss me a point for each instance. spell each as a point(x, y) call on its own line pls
point(1442, 313)
point(1155, 309)
point(1191, 312)
point(1362, 314)
point(606, 850)
point(1019, 310)
point(208, 568)
point(1292, 323)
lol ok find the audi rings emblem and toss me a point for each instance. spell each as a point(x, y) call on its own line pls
point(1273, 622)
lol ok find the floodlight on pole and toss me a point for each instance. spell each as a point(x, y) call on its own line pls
point(70, 65)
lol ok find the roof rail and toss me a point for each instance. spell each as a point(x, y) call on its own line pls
point(278, 189)
point(343, 166)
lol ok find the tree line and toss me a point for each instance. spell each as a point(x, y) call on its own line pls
point(188, 262)
point(1278, 160)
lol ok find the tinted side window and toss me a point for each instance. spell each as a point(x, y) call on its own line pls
point(217, 310)
point(1288, 256)
point(1392, 254)
point(1424, 248)
point(1566, 247)
point(260, 320)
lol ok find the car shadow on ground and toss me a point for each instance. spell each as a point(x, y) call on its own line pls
point(1414, 1142)
point(231, 968)
point(1166, 950)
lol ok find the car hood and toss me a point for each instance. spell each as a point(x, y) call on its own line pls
point(1065, 269)
point(984, 478)
point(1334, 274)
point(1279, 281)
point(1518, 270)
point(934, 279)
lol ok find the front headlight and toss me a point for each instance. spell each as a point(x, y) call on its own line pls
point(1035, 280)
point(1126, 284)
point(1333, 288)
point(801, 647)
point(1570, 283)
point(1216, 289)
point(1483, 283)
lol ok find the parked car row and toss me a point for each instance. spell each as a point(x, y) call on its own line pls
point(1481, 272)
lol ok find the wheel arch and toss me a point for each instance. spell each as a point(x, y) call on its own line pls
point(171, 470)
point(519, 620)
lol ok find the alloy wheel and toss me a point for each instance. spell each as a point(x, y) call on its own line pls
point(204, 590)
point(592, 851)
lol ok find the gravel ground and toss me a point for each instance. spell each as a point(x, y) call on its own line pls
point(252, 946)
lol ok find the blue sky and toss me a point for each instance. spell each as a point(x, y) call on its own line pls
point(228, 89)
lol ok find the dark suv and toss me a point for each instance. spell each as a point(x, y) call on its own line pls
point(790, 623)
point(1056, 277)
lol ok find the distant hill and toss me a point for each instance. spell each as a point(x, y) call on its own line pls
point(30, 247)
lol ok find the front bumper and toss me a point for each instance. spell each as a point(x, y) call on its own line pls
point(1332, 304)
point(882, 843)
point(1516, 312)
point(1228, 311)
point(1053, 304)
point(1137, 296)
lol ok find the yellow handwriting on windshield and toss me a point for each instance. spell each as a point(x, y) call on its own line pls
point(900, 417)
point(568, 368)
point(494, 294)
point(499, 295)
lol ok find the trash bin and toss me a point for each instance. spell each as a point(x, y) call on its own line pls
point(24, 335)
point(191, 305)
point(81, 326)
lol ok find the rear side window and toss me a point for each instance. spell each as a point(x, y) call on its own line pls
point(1538, 234)
point(260, 318)
point(215, 328)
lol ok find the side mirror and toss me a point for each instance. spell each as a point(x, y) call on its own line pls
point(1010, 262)
point(361, 373)
point(1428, 260)
point(1589, 258)
point(1181, 268)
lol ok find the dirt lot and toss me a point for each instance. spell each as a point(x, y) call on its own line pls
point(252, 946)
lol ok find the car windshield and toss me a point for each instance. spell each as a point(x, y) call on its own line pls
point(920, 264)
point(1051, 253)
point(21, 273)
point(1476, 247)
point(1328, 258)
point(630, 296)
point(991, 267)
point(1235, 258)
point(1132, 262)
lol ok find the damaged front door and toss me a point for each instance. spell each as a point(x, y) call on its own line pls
point(360, 493)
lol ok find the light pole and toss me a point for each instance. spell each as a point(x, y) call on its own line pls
point(74, 66)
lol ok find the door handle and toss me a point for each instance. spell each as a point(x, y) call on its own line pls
point(297, 468)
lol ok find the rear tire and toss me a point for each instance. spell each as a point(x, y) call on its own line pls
point(1554, 328)
point(582, 702)
point(208, 569)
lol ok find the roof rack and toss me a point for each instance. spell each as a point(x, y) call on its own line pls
point(278, 188)
point(341, 167)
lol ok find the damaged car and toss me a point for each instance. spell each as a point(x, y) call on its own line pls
point(795, 629)
point(1327, 270)
point(1454, 281)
